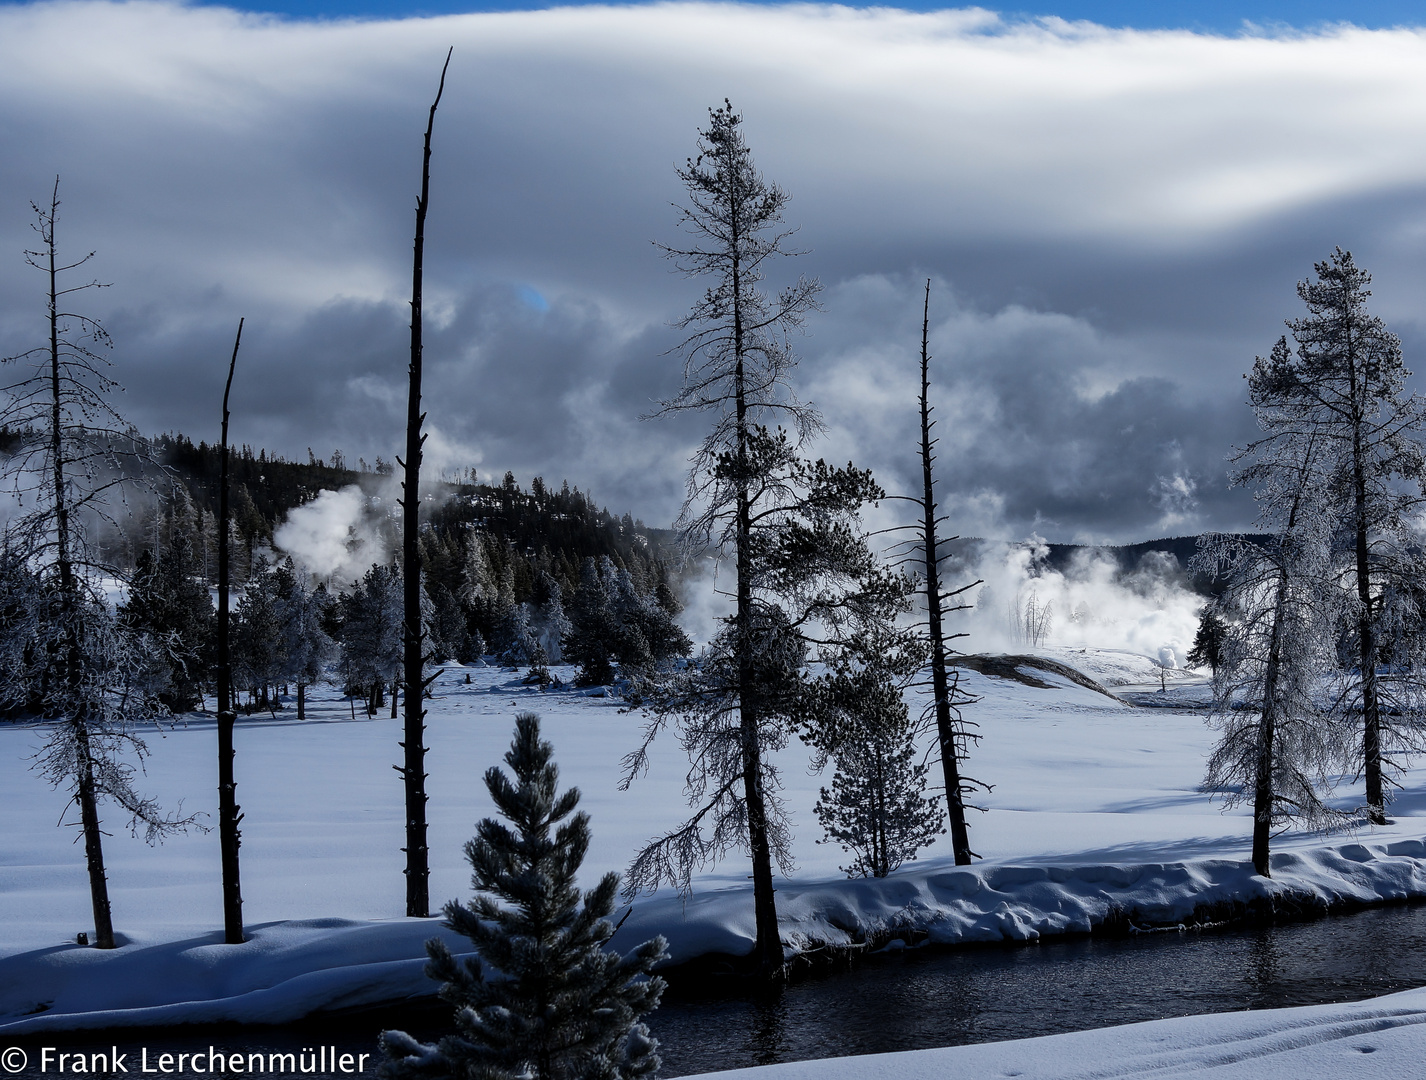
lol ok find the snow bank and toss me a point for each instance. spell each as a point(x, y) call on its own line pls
point(291, 969)
point(1380, 1037)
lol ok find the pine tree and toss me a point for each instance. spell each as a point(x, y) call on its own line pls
point(306, 647)
point(450, 634)
point(876, 807)
point(548, 619)
point(1207, 650)
point(259, 656)
point(371, 642)
point(543, 998)
point(611, 621)
point(1279, 744)
point(789, 525)
point(1344, 385)
point(591, 641)
point(168, 602)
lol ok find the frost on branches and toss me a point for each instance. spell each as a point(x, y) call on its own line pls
point(1335, 410)
point(71, 661)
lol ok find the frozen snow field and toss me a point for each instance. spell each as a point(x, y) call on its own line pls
point(1096, 808)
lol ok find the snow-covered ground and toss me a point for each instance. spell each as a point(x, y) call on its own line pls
point(1095, 814)
point(1382, 1038)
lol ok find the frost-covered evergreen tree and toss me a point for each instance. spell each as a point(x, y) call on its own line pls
point(1344, 385)
point(80, 666)
point(1279, 743)
point(169, 604)
point(548, 619)
point(1207, 648)
point(306, 646)
point(544, 998)
point(258, 656)
point(450, 635)
point(521, 644)
point(613, 622)
point(592, 638)
point(371, 645)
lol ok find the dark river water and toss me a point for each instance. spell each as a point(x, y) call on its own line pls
point(905, 1001)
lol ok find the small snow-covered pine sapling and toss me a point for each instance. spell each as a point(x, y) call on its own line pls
point(1344, 384)
point(876, 807)
point(543, 998)
point(78, 665)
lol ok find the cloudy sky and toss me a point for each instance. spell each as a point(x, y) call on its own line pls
point(1113, 214)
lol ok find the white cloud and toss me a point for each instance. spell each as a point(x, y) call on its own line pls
point(1107, 208)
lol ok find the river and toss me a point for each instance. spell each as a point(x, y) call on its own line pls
point(913, 999)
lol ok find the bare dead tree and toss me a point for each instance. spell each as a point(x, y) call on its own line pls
point(229, 837)
point(413, 767)
point(953, 732)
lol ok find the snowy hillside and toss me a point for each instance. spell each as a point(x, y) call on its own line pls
point(1095, 815)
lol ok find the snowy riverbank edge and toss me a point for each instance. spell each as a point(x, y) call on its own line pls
point(1383, 1037)
point(288, 970)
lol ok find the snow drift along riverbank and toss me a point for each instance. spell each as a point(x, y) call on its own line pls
point(294, 968)
point(1375, 1039)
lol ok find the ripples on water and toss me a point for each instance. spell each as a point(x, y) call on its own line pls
point(925, 998)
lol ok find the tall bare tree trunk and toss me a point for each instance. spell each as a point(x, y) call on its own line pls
point(413, 769)
point(229, 838)
point(940, 682)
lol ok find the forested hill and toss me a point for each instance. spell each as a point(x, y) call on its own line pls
point(542, 529)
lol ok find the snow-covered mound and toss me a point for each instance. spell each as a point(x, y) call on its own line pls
point(1380, 1038)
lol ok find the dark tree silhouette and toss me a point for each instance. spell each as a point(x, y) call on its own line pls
point(413, 766)
point(229, 814)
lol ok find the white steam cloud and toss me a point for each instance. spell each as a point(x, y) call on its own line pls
point(1025, 603)
point(335, 536)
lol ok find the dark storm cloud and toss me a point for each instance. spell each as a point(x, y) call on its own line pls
point(1114, 222)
